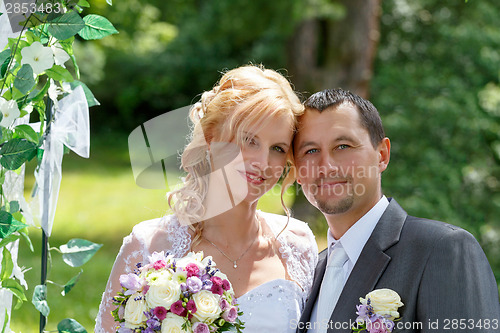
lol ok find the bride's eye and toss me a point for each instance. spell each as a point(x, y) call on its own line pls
point(250, 141)
point(278, 149)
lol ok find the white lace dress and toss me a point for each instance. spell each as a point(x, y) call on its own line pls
point(273, 306)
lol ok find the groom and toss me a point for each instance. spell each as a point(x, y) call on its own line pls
point(439, 270)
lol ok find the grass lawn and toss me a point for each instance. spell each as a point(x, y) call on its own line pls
point(98, 201)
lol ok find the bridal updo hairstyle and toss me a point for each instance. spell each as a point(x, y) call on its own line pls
point(242, 101)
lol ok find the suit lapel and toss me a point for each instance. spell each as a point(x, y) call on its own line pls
point(370, 266)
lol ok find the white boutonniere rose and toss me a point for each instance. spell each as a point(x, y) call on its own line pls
point(377, 311)
point(385, 302)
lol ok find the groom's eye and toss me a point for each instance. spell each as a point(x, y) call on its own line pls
point(311, 151)
point(342, 147)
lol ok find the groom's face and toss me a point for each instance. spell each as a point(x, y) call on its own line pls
point(338, 167)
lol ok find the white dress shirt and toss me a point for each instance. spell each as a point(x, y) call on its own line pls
point(353, 242)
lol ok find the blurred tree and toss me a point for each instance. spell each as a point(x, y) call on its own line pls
point(334, 45)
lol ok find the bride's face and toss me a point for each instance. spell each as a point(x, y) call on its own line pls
point(264, 155)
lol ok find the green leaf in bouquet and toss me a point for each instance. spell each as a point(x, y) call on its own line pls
point(8, 224)
point(25, 131)
point(16, 152)
point(16, 93)
point(69, 325)
point(39, 299)
point(7, 265)
point(16, 289)
point(67, 45)
point(96, 27)
point(59, 73)
point(24, 79)
point(91, 100)
point(65, 26)
point(71, 283)
point(78, 251)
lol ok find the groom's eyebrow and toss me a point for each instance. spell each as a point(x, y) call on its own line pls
point(306, 144)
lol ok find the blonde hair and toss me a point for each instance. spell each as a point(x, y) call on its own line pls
point(240, 102)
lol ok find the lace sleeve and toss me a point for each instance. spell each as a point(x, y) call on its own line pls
point(165, 234)
point(301, 251)
point(130, 253)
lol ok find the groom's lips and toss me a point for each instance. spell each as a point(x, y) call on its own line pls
point(331, 183)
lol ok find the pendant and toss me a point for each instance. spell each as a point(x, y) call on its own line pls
point(234, 264)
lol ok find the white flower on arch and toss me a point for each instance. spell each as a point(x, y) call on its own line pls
point(39, 57)
point(10, 112)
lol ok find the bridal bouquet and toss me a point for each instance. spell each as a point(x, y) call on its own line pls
point(170, 294)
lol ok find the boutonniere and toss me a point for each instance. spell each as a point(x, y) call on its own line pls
point(378, 311)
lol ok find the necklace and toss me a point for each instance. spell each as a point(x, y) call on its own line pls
point(235, 265)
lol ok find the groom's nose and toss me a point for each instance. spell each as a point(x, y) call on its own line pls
point(327, 165)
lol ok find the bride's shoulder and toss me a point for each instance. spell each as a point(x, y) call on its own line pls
point(149, 227)
point(295, 227)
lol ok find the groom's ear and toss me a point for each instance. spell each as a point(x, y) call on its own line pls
point(384, 150)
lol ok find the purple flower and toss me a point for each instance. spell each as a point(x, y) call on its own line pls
point(216, 281)
point(217, 289)
point(123, 329)
point(230, 315)
point(191, 306)
point(207, 285)
point(200, 328)
point(194, 284)
point(178, 309)
point(377, 326)
point(226, 285)
point(131, 282)
point(160, 312)
point(223, 304)
point(363, 313)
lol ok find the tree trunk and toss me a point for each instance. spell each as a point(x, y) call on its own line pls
point(325, 54)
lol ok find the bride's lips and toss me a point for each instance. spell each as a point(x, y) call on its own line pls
point(252, 178)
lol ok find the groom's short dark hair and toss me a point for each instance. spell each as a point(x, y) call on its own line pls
point(370, 118)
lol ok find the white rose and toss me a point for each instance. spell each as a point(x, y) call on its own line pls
point(207, 305)
point(164, 293)
point(384, 302)
point(39, 57)
point(134, 311)
point(173, 324)
point(9, 111)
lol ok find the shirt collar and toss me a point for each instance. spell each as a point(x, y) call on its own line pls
point(357, 235)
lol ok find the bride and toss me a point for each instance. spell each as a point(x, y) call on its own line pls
point(240, 147)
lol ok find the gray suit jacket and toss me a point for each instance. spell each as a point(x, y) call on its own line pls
point(439, 270)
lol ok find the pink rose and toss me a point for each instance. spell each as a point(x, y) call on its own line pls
point(192, 269)
point(226, 285)
point(200, 328)
point(159, 264)
point(230, 314)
